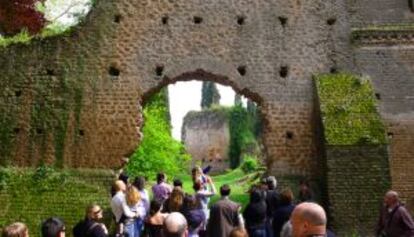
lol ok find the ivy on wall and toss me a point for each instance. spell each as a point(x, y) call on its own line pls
point(348, 110)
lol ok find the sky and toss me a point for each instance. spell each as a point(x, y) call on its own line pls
point(186, 96)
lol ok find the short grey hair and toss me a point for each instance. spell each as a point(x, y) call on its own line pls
point(175, 225)
point(271, 181)
point(286, 230)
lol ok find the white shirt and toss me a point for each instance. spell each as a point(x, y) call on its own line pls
point(116, 205)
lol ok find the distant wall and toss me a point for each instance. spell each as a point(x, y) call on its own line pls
point(206, 136)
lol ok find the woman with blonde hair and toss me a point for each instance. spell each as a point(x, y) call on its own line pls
point(133, 210)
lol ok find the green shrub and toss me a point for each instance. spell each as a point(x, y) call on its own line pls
point(158, 151)
point(250, 164)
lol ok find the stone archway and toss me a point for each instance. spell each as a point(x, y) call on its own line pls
point(88, 84)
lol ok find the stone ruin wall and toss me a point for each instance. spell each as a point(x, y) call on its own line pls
point(75, 100)
point(387, 57)
point(206, 136)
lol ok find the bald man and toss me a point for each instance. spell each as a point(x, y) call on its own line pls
point(175, 225)
point(308, 219)
point(395, 220)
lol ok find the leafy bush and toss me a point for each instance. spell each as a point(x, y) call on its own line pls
point(250, 164)
point(158, 150)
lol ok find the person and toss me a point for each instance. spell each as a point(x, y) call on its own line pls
point(305, 192)
point(120, 208)
point(133, 212)
point(224, 215)
point(203, 195)
point(286, 230)
point(16, 229)
point(121, 174)
point(238, 232)
point(272, 202)
point(255, 215)
point(194, 215)
point(90, 226)
point(161, 190)
point(175, 225)
point(155, 220)
point(198, 175)
point(308, 219)
point(394, 218)
point(174, 203)
point(116, 203)
point(283, 212)
point(53, 227)
point(139, 183)
point(178, 183)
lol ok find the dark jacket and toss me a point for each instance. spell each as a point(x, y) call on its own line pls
point(397, 223)
point(280, 216)
point(272, 202)
point(223, 218)
point(88, 228)
point(255, 212)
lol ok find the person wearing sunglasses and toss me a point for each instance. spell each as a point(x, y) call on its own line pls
point(91, 226)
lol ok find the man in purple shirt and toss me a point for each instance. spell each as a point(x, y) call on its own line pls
point(395, 220)
point(161, 190)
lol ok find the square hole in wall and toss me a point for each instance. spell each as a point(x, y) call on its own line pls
point(197, 20)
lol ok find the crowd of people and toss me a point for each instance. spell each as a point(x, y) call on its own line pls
point(173, 213)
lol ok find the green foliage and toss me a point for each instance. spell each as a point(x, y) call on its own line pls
point(70, 13)
point(32, 195)
point(23, 37)
point(348, 110)
point(250, 164)
point(209, 95)
point(158, 150)
point(241, 134)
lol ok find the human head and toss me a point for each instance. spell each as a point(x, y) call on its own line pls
point(124, 160)
point(271, 182)
point(286, 230)
point(190, 202)
point(94, 212)
point(155, 206)
point(238, 232)
point(178, 183)
point(175, 225)
point(196, 172)
point(308, 219)
point(119, 186)
point(286, 196)
point(160, 177)
point(17, 229)
point(255, 195)
point(132, 196)
point(391, 198)
point(225, 190)
point(53, 227)
point(139, 183)
point(175, 202)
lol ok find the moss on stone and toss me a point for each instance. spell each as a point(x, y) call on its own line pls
point(348, 110)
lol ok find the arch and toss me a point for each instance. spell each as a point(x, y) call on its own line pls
point(202, 75)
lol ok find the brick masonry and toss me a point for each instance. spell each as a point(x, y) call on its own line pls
point(75, 100)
